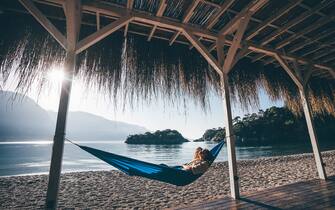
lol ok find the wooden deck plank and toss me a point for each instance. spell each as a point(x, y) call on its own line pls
point(313, 194)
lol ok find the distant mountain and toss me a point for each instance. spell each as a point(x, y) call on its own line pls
point(23, 119)
point(86, 126)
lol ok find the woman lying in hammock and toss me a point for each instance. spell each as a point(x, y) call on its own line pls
point(201, 161)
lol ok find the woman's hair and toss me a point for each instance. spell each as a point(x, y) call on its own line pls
point(197, 153)
point(206, 155)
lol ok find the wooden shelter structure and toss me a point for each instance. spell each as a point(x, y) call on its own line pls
point(293, 35)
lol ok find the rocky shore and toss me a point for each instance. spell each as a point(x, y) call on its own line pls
point(114, 190)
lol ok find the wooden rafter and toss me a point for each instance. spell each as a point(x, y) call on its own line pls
point(316, 39)
point(324, 53)
point(273, 18)
point(214, 19)
point(169, 25)
point(159, 13)
point(152, 32)
point(308, 29)
point(44, 21)
point(297, 80)
point(228, 63)
point(220, 53)
point(174, 37)
point(202, 50)
point(251, 8)
point(98, 20)
point(186, 18)
point(294, 22)
point(102, 33)
point(130, 4)
point(190, 10)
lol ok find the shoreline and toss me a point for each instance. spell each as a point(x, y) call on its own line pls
point(115, 190)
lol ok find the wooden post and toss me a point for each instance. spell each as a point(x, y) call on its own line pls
point(72, 11)
point(58, 144)
point(230, 138)
point(312, 134)
point(301, 82)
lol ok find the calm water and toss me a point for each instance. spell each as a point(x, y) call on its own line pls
point(17, 158)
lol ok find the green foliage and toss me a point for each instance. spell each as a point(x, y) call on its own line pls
point(274, 126)
point(159, 137)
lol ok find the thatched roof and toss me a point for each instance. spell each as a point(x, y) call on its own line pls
point(135, 68)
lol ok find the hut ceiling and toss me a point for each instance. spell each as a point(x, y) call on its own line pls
point(299, 29)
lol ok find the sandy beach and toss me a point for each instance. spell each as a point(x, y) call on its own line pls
point(114, 190)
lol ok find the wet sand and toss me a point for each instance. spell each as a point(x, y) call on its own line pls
point(114, 190)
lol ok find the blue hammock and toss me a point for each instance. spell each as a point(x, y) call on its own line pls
point(173, 175)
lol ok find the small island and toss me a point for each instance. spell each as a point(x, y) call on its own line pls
point(158, 137)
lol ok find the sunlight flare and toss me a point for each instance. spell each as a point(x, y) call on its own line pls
point(56, 74)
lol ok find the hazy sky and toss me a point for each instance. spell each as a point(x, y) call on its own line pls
point(191, 122)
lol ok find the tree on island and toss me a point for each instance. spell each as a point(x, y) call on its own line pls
point(273, 126)
point(158, 137)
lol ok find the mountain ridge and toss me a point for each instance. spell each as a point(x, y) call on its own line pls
point(24, 119)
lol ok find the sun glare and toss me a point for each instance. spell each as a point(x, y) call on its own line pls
point(56, 75)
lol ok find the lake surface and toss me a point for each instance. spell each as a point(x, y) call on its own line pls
point(33, 157)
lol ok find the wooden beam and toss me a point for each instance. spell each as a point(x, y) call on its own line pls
point(168, 24)
point(186, 18)
point(293, 22)
point(306, 30)
point(212, 21)
point(220, 53)
point(161, 8)
point(251, 8)
point(324, 53)
point(159, 13)
point(312, 134)
point(230, 138)
point(202, 50)
point(189, 11)
point(38, 15)
point(102, 33)
point(98, 21)
point(126, 28)
point(151, 33)
point(73, 21)
point(236, 43)
point(273, 18)
point(289, 71)
point(130, 4)
point(174, 37)
point(242, 53)
point(212, 47)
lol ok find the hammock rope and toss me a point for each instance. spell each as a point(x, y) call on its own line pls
point(160, 172)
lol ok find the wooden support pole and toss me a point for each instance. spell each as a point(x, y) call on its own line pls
point(230, 138)
point(298, 80)
point(73, 17)
point(58, 141)
point(312, 134)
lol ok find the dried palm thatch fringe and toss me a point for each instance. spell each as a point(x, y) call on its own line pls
point(134, 70)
